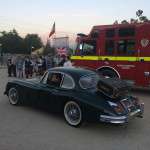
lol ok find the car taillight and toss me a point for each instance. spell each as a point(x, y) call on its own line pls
point(119, 109)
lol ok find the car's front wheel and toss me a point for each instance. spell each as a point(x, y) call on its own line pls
point(13, 96)
point(73, 113)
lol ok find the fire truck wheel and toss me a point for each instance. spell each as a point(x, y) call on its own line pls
point(108, 73)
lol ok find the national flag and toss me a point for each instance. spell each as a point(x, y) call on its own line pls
point(52, 30)
point(62, 51)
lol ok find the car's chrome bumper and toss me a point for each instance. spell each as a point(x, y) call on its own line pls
point(123, 119)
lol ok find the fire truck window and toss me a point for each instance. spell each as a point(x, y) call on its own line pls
point(124, 32)
point(110, 47)
point(89, 48)
point(131, 47)
point(95, 33)
point(110, 33)
point(126, 47)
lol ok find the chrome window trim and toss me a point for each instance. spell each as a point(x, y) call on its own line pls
point(72, 80)
point(63, 75)
point(42, 78)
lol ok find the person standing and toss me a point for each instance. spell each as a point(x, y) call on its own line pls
point(19, 67)
point(31, 67)
point(63, 60)
point(43, 64)
point(9, 66)
point(40, 65)
point(27, 67)
point(35, 66)
point(14, 66)
point(68, 62)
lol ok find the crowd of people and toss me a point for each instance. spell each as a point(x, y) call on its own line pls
point(28, 66)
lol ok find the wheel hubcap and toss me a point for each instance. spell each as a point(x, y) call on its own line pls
point(13, 96)
point(72, 113)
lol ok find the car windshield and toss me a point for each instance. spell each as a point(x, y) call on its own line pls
point(89, 81)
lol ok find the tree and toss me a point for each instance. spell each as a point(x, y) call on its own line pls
point(116, 22)
point(124, 22)
point(132, 20)
point(143, 19)
point(48, 49)
point(11, 42)
point(32, 42)
point(140, 16)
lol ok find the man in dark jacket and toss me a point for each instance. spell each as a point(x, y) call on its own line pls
point(9, 66)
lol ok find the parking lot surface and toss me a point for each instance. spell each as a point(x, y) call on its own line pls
point(26, 128)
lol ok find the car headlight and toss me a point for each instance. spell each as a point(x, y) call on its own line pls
point(117, 107)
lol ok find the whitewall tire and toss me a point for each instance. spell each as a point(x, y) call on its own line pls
point(73, 113)
point(13, 96)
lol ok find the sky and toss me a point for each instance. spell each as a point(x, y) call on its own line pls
point(71, 16)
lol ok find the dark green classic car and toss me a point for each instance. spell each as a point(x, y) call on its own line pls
point(80, 94)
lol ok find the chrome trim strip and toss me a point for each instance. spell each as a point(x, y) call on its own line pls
point(122, 119)
point(63, 75)
point(112, 117)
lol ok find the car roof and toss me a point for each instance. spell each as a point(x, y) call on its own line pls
point(73, 71)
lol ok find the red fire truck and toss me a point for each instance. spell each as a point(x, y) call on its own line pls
point(118, 50)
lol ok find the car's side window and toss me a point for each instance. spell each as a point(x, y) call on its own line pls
point(54, 79)
point(68, 82)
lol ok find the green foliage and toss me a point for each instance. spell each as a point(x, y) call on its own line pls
point(124, 22)
point(48, 49)
point(141, 18)
point(132, 20)
point(71, 51)
point(32, 42)
point(13, 43)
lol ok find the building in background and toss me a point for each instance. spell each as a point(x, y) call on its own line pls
point(61, 44)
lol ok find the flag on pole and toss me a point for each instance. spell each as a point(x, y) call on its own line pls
point(52, 30)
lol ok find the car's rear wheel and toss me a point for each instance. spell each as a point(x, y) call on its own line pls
point(13, 96)
point(73, 113)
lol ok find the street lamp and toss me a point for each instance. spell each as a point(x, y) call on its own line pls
point(32, 47)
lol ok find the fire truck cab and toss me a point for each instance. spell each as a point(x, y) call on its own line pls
point(118, 50)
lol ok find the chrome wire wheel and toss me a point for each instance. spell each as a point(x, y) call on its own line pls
point(73, 113)
point(13, 96)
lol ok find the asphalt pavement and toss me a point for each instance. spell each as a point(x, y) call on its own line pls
point(27, 128)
